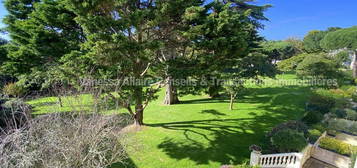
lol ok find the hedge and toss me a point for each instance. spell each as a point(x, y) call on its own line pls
point(337, 146)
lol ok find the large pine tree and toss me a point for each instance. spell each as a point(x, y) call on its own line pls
point(41, 33)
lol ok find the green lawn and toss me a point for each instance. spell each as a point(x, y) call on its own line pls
point(202, 132)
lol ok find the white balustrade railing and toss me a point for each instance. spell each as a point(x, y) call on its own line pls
point(283, 160)
point(286, 160)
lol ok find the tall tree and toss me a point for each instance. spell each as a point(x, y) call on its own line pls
point(41, 33)
point(221, 33)
point(132, 39)
point(171, 29)
point(123, 45)
point(343, 38)
point(3, 57)
point(313, 38)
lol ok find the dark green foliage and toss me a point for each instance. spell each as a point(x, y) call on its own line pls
point(336, 146)
point(41, 33)
point(319, 66)
point(279, 50)
point(320, 103)
point(312, 117)
point(3, 51)
point(288, 140)
point(339, 113)
point(343, 38)
point(293, 125)
point(351, 114)
point(312, 41)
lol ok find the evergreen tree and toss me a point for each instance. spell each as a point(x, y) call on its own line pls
point(41, 33)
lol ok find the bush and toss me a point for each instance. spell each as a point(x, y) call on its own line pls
point(314, 135)
point(339, 113)
point(336, 146)
point(14, 113)
point(320, 103)
point(312, 117)
point(318, 65)
point(64, 140)
point(289, 141)
point(351, 114)
point(343, 125)
point(293, 125)
point(12, 89)
point(322, 127)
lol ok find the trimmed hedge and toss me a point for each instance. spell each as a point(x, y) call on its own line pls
point(337, 146)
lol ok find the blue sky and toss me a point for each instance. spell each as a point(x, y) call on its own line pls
point(294, 18)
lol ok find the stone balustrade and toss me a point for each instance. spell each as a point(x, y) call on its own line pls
point(283, 160)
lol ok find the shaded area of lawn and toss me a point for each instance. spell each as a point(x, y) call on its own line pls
point(201, 132)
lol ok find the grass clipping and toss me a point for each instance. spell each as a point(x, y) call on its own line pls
point(66, 140)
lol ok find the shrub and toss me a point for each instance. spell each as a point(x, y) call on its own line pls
point(12, 89)
point(320, 103)
point(351, 114)
point(312, 117)
point(294, 125)
point(14, 113)
point(336, 146)
point(64, 140)
point(322, 127)
point(339, 113)
point(343, 125)
point(289, 141)
point(314, 134)
point(318, 65)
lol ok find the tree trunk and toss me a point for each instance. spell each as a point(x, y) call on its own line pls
point(139, 109)
point(354, 64)
point(231, 102)
point(171, 93)
point(139, 115)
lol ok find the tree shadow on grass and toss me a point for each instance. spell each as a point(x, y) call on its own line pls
point(228, 140)
point(213, 112)
point(127, 163)
point(204, 100)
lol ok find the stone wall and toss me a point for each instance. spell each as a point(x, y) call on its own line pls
point(331, 158)
point(306, 154)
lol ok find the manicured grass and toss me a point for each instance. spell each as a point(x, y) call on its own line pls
point(203, 133)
